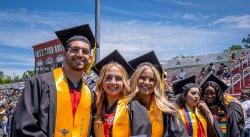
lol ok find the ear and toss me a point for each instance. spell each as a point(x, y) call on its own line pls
point(90, 58)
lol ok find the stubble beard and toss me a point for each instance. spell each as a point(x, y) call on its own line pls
point(77, 65)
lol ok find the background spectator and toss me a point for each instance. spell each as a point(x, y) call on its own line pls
point(182, 74)
point(245, 98)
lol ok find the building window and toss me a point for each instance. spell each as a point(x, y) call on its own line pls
point(197, 60)
point(39, 66)
point(51, 50)
point(48, 64)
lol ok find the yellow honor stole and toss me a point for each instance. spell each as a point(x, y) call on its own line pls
point(228, 98)
point(190, 119)
point(156, 119)
point(121, 124)
point(66, 124)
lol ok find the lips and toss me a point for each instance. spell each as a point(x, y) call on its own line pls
point(146, 89)
point(79, 62)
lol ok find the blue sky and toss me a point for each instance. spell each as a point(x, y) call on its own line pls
point(170, 27)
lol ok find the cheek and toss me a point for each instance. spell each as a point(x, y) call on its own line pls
point(120, 84)
point(104, 83)
point(139, 82)
point(152, 84)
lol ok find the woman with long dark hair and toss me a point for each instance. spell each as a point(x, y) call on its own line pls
point(226, 109)
point(194, 112)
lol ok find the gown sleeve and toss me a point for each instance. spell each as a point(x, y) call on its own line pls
point(236, 120)
point(172, 128)
point(31, 114)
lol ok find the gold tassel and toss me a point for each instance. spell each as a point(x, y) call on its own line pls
point(92, 61)
point(163, 80)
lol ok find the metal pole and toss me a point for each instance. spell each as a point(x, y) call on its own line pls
point(97, 29)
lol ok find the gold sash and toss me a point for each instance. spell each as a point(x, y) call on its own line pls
point(193, 117)
point(121, 124)
point(66, 125)
point(156, 119)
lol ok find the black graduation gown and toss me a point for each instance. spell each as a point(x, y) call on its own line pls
point(236, 120)
point(235, 123)
point(142, 126)
point(35, 113)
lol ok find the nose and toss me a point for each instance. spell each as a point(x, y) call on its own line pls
point(146, 81)
point(209, 95)
point(79, 52)
point(112, 82)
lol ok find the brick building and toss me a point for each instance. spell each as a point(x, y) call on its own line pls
point(48, 55)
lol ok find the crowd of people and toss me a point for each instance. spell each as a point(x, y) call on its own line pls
point(124, 98)
point(8, 100)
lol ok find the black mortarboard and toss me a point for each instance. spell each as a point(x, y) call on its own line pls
point(79, 32)
point(212, 77)
point(148, 57)
point(183, 85)
point(115, 56)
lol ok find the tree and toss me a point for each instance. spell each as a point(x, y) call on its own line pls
point(7, 79)
point(246, 41)
point(28, 74)
point(1, 77)
point(16, 79)
point(235, 47)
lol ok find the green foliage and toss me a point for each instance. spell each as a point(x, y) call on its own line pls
point(28, 74)
point(246, 41)
point(6, 79)
point(235, 47)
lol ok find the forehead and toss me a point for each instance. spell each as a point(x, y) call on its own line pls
point(114, 69)
point(148, 71)
point(77, 43)
point(194, 89)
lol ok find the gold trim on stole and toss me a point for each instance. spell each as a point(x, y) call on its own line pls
point(156, 119)
point(121, 124)
point(194, 116)
point(66, 125)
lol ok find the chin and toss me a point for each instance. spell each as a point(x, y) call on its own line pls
point(77, 68)
point(114, 93)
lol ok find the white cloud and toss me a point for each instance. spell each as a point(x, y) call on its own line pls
point(131, 38)
point(137, 37)
point(20, 59)
point(32, 27)
point(234, 21)
point(179, 2)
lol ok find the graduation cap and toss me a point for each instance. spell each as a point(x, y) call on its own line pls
point(148, 57)
point(82, 32)
point(212, 77)
point(183, 85)
point(115, 56)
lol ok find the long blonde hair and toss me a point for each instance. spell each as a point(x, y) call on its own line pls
point(101, 93)
point(160, 98)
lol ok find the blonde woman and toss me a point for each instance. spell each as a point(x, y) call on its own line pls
point(112, 118)
point(148, 96)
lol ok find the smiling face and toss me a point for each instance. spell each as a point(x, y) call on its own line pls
point(146, 82)
point(113, 81)
point(192, 98)
point(210, 95)
point(78, 55)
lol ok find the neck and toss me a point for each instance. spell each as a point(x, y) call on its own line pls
point(191, 107)
point(111, 99)
point(145, 100)
point(74, 76)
